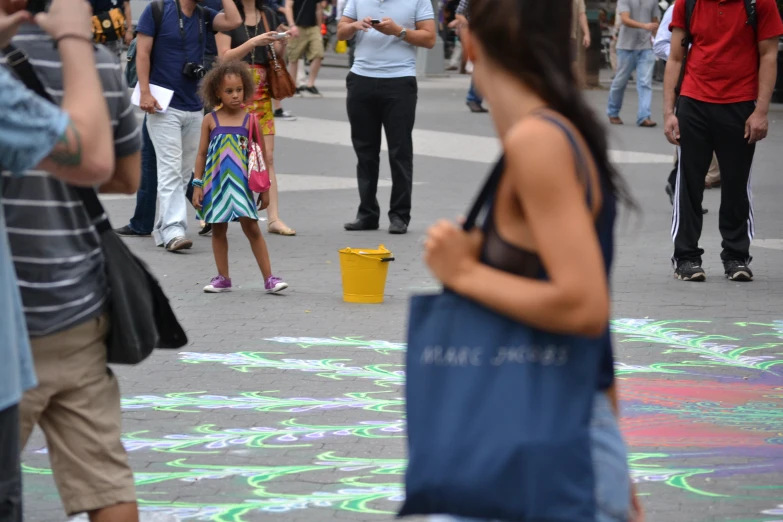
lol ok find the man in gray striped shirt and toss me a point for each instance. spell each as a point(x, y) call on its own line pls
point(61, 275)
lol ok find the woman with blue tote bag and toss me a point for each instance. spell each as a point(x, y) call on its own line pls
point(511, 398)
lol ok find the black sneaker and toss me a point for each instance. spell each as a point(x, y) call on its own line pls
point(690, 271)
point(281, 114)
point(737, 270)
point(127, 231)
point(206, 230)
point(311, 92)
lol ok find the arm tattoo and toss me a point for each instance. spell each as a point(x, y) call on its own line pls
point(68, 150)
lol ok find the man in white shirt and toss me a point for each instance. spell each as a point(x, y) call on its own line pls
point(382, 95)
point(661, 48)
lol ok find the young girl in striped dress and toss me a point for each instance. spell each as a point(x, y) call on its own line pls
point(220, 186)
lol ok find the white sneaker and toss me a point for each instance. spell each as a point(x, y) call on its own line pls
point(284, 115)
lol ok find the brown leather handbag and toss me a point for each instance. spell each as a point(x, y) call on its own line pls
point(281, 85)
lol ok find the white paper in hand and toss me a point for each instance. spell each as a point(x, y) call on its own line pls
point(161, 94)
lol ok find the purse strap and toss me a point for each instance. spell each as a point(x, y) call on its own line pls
point(272, 45)
point(19, 61)
point(252, 130)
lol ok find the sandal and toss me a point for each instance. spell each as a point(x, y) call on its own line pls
point(282, 231)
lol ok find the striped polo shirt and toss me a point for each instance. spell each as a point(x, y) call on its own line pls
point(55, 248)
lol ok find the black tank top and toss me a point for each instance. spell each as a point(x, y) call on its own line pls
point(498, 253)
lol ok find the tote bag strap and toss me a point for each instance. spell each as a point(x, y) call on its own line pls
point(486, 195)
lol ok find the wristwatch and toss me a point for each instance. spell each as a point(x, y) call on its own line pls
point(403, 34)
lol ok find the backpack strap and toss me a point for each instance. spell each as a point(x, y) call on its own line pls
point(690, 5)
point(157, 14)
point(750, 9)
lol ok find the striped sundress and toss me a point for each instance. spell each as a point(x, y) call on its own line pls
point(227, 196)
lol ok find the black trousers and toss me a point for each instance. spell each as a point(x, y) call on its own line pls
point(10, 473)
point(720, 128)
point(388, 103)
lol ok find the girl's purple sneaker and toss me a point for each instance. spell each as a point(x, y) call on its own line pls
point(274, 285)
point(218, 285)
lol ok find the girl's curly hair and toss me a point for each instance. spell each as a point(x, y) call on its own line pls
point(210, 85)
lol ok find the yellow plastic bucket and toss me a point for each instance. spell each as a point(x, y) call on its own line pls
point(364, 274)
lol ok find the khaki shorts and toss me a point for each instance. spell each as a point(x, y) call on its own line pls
point(77, 405)
point(310, 43)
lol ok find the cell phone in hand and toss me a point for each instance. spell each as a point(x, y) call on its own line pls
point(375, 21)
point(281, 36)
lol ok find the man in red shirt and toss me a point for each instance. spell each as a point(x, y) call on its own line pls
point(729, 77)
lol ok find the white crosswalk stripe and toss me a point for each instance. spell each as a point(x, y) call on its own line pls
point(431, 143)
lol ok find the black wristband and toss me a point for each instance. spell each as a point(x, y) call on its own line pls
point(69, 36)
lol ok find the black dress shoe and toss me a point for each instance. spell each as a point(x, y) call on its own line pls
point(360, 225)
point(127, 231)
point(398, 226)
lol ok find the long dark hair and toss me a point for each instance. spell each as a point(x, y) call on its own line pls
point(530, 39)
point(260, 4)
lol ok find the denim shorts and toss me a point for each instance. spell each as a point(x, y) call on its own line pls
point(610, 464)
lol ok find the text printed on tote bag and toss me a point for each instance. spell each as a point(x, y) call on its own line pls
point(466, 356)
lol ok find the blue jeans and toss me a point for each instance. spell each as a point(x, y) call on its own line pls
point(610, 465)
point(473, 95)
point(143, 219)
point(627, 61)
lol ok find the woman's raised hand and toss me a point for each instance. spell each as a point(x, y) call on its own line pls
point(265, 39)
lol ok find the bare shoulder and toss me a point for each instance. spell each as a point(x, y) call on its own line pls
point(208, 122)
point(535, 146)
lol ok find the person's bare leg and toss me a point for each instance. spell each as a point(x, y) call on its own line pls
point(277, 105)
point(713, 175)
point(258, 245)
point(275, 225)
point(127, 512)
point(220, 247)
point(293, 67)
point(315, 66)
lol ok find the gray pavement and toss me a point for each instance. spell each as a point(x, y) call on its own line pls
point(289, 407)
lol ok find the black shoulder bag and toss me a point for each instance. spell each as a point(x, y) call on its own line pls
point(140, 313)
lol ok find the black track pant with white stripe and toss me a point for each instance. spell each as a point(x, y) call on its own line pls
point(706, 128)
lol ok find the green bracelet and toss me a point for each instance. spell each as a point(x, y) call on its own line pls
point(197, 183)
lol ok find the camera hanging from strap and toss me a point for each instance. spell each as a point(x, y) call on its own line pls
point(181, 24)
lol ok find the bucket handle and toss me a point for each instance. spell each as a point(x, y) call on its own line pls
point(382, 260)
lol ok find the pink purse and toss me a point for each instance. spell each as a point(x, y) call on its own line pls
point(257, 173)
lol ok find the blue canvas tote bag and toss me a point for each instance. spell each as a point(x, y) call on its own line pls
point(498, 412)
